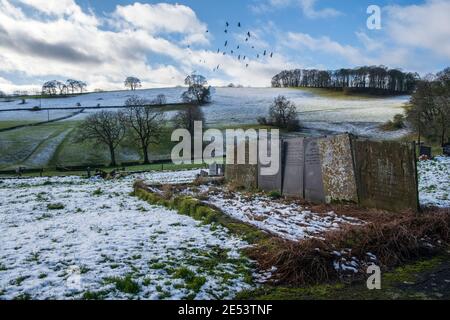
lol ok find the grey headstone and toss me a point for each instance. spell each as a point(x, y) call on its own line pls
point(274, 182)
point(313, 184)
point(293, 167)
point(213, 169)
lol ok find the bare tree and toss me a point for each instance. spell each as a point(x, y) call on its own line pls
point(72, 84)
point(133, 83)
point(198, 90)
point(186, 118)
point(160, 99)
point(146, 123)
point(282, 114)
point(81, 85)
point(104, 127)
point(49, 87)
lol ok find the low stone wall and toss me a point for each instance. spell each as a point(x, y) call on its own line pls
point(339, 168)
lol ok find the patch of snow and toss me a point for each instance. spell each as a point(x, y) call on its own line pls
point(289, 221)
point(64, 237)
point(434, 182)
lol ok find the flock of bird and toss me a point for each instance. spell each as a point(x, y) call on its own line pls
point(236, 50)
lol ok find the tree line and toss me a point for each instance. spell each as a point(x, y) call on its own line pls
point(429, 109)
point(141, 122)
point(70, 86)
point(369, 79)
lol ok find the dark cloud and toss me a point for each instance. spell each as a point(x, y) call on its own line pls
point(25, 44)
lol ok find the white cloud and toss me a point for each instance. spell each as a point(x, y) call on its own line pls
point(308, 8)
point(424, 26)
point(63, 41)
point(163, 18)
point(326, 45)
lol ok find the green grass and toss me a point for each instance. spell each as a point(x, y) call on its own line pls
point(125, 284)
point(10, 124)
point(392, 286)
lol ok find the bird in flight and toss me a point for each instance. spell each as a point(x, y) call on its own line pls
point(226, 43)
point(249, 35)
point(271, 55)
point(239, 24)
point(227, 24)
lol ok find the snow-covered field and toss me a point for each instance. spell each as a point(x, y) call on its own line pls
point(434, 182)
point(240, 106)
point(71, 238)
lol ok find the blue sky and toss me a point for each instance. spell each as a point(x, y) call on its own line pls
point(102, 42)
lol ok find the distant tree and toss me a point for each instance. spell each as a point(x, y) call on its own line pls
point(429, 108)
point(198, 90)
point(82, 86)
point(372, 79)
point(72, 84)
point(145, 123)
point(186, 118)
point(282, 114)
point(2, 94)
point(160, 99)
point(133, 83)
point(104, 127)
point(49, 87)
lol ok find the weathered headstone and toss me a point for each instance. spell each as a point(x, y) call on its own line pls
point(313, 184)
point(425, 151)
point(446, 149)
point(294, 162)
point(242, 175)
point(386, 175)
point(274, 182)
point(338, 173)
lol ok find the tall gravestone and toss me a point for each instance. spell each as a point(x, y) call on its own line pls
point(294, 162)
point(313, 184)
point(386, 175)
point(338, 172)
point(273, 182)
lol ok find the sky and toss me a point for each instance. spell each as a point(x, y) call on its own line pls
point(103, 42)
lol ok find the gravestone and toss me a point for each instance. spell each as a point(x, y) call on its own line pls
point(337, 169)
point(313, 184)
point(446, 149)
point(425, 151)
point(242, 175)
point(294, 161)
point(273, 182)
point(213, 169)
point(386, 175)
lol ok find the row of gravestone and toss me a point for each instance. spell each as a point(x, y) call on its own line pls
point(339, 168)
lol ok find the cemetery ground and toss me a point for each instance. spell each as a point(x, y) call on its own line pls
point(173, 237)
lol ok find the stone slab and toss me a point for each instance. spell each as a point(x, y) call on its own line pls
point(338, 172)
point(313, 184)
point(294, 161)
point(386, 175)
